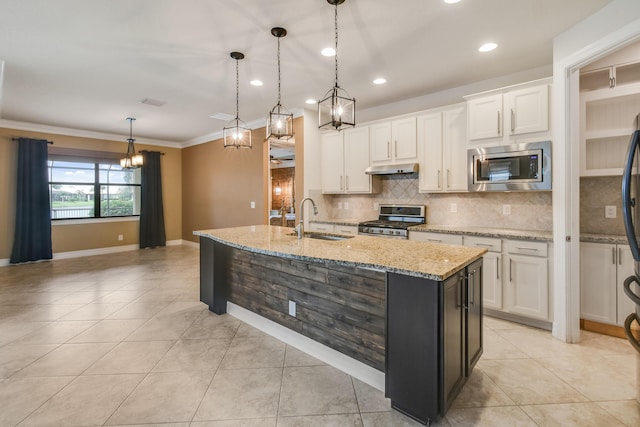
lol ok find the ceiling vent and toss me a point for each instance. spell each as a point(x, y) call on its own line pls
point(153, 102)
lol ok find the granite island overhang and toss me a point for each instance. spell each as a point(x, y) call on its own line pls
point(411, 310)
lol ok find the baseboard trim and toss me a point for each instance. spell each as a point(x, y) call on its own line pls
point(106, 251)
point(541, 324)
point(346, 364)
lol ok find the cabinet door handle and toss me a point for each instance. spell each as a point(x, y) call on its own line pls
point(459, 293)
point(619, 256)
point(513, 121)
point(448, 178)
point(395, 148)
point(484, 245)
point(388, 149)
point(498, 268)
point(341, 188)
point(439, 178)
point(499, 133)
point(613, 256)
point(347, 183)
point(510, 270)
point(472, 277)
point(433, 240)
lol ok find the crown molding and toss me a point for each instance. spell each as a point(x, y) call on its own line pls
point(35, 127)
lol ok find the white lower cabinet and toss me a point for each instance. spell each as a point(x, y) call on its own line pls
point(345, 229)
point(449, 239)
point(526, 279)
point(515, 276)
point(491, 269)
point(603, 269)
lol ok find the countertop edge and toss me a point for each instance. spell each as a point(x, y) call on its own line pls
point(370, 266)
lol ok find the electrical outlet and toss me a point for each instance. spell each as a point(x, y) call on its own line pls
point(346, 205)
point(375, 206)
point(506, 209)
point(292, 308)
point(339, 205)
point(453, 208)
point(253, 204)
point(610, 211)
point(120, 237)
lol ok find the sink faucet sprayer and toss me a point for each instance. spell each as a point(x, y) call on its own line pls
point(300, 228)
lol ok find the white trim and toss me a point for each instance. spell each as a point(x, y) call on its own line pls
point(61, 222)
point(346, 364)
point(566, 191)
point(35, 127)
point(104, 251)
point(254, 124)
point(191, 244)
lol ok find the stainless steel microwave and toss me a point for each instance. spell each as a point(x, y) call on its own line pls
point(517, 167)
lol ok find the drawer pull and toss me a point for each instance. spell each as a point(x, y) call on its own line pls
point(498, 268)
point(527, 249)
point(484, 245)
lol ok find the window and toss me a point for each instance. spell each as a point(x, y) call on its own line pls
point(92, 189)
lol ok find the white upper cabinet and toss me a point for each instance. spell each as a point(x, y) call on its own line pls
point(500, 117)
point(442, 146)
point(485, 117)
point(394, 141)
point(344, 158)
point(527, 110)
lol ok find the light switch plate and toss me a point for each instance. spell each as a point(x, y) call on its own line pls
point(453, 208)
point(292, 308)
point(253, 204)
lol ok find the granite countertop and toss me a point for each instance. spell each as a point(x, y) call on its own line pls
point(353, 222)
point(418, 259)
point(604, 238)
point(498, 233)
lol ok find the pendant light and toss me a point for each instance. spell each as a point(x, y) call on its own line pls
point(279, 120)
point(131, 160)
point(337, 110)
point(236, 133)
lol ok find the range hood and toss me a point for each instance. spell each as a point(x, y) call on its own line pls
point(392, 169)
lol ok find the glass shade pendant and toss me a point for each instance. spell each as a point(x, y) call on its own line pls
point(279, 120)
point(336, 109)
point(236, 133)
point(131, 160)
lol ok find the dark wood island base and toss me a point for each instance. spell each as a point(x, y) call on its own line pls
point(424, 334)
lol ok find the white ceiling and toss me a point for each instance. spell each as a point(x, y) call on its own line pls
point(87, 64)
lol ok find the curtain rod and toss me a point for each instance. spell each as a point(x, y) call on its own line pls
point(18, 139)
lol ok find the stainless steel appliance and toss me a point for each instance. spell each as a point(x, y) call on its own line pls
point(631, 214)
point(517, 167)
point(394, 221)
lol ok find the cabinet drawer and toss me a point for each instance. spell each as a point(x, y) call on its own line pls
point(526, 248)
point(449, 239)
point(326, 228)
point(345, 229)
point(491, 244)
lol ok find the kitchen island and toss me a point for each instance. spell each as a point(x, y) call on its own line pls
point(409, 309)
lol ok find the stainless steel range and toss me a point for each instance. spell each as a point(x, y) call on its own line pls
point(394, 221)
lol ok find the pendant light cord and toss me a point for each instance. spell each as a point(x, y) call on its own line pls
point(278, 71)
point(237, 94)
point(336, 35)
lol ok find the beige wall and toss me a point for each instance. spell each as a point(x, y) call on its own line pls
point(87, 236)
point(218, 185)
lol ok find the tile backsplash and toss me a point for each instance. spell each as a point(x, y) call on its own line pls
point(529, 210)
point(595, 194)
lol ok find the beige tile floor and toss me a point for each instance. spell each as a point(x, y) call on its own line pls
point(122, 339)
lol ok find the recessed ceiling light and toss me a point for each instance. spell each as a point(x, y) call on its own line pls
point(256, 82)
point(487, 47)
point(380, 81)
point(451, 1)
point(311, 101)
point(328, 51)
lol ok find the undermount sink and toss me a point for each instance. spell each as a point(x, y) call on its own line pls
point(323, 236)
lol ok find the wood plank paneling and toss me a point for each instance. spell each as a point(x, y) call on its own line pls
point(341, 307)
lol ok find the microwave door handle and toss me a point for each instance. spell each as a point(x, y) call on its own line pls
point(629, 202)
point(627, 330)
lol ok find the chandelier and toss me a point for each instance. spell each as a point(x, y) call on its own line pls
point(337, 110)
point(131, 160)
point(236, 133)
point(279, 120)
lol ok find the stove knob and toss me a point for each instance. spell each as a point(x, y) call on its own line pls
point(381, 231)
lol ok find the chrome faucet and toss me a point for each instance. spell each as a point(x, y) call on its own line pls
point(300, 228)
